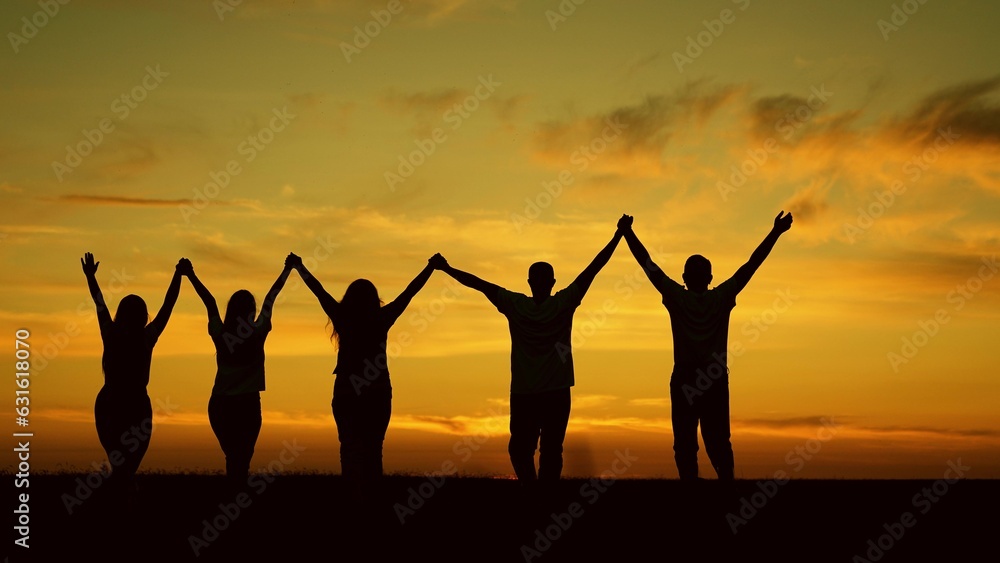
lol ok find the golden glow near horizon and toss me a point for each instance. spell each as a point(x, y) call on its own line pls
point(366, 136)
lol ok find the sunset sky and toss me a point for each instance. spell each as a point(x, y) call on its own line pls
point(499, 134)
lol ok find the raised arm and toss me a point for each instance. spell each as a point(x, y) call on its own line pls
point(187, 269)
point(742, 276)
point(398, 305)
point(587, 276)
point(326, 300)
point(268, 306)
point(653, 272)
point(90, 270)
point(491, 291)
point(173, 290)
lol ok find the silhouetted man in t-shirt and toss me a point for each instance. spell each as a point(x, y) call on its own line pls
point(699, 321)
point(541, 361)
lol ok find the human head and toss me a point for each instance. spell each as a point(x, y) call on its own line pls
point(357, 308)
point(242, 305)
point(131, 313)
point(541, 278)
point(125, 350)
point(697, 272)
point(361, 296)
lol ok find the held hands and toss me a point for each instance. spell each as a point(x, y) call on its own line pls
point(625, 223)
point(89, 266)
point(438, 262)
point(184, 267)
point(782, 223)
point(293, 261)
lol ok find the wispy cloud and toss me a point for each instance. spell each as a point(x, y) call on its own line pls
point(966, 107)
point(645, 130)
point(120, 200)
point(851, 428)
point(37, 230)
point(592, 401)
point(810, 202)
point(657, 402)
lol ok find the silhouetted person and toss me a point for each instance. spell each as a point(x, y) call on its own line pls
point(699, 321)
point(541, 361)
point(362, 392)
point(122, 412)
point(234, 408)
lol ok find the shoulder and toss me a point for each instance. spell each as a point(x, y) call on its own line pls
point(261, 328)
point(727, 287)
point(669, 289)
point(726, 292)
point(388, 314)
point(571, 294)
point(508, 296)
point(667, 284)
point(152, 334)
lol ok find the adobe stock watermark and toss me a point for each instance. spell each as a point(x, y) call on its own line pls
point(455, 116)
point(122, 107)
point(420, 319)
point(325, 246)
point(930, 327)
point(229, 512)
point(883, 200)
point(796, 459)
point(464, 449)
point(131, 440)
point(30, 26)
point(697, 43)
point(224, 7)
point(56, 342)
point(584, 329)
point(898, 17)
point(786, 126)
point(249, 149)
point(752, 329)
point(563, 11)
point(364, 34)
point(590, 493)
point(924, 501)
point(580, 159)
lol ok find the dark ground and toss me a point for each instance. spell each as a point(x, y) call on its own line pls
point(311, 517)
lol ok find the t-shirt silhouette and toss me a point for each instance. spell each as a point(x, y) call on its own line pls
point(700, 324)
point(239, 357)
point(540, 348)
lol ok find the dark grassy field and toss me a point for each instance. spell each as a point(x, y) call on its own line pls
point(312, 517)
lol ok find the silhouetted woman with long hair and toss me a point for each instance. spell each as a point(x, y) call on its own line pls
point(122, 412)
point(362, 393)
point(234, 409)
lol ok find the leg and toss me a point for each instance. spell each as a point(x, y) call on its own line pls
point(684, 418)
point(555, 418)
point(220, 418)
point(715, 429)
point(378, 411)
point(525, 428)
point(345, 413)
point(137, 422)
point(104, 417)
point(245, 431)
